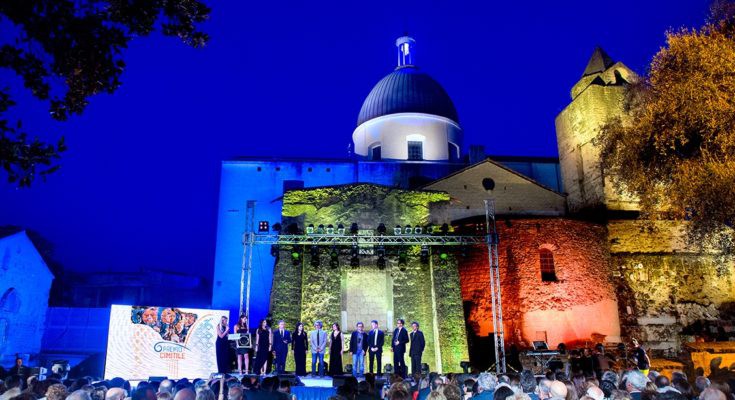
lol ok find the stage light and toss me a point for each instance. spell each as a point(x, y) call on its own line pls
point(408, 230)
point(295, 257)
point(274, 250)
point(465, 365)
point(276, 227)
point(334, 257)
point(320, 229)
point(381, 229)
point(443, 255)
point(310, 229)
point(402, 260)
point(355, 256)
point(354, 229)
point(444, 229)
point(340, 229)
point(424, 254)
point(429, 229)
point(263, 226)
point(380, 251)
point(314, 256)
point(330, 229)
point(397, 230)
point(417, 230)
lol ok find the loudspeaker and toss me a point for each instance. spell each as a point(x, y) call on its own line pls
point(291, 378)
point(339, 380)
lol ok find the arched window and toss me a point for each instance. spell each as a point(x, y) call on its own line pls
point(10, 302)
point(548, 271)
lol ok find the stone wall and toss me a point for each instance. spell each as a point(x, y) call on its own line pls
point(579, 305)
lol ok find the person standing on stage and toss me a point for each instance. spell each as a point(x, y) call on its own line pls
point(242, 353)
point(263, 347)
point(398, 346)
point(223, 347)
point(358, 348)
point(300, 345)
point(376, 340)
point(281, 339)
point(336, 347)
point(417, 348)
point(317, 344)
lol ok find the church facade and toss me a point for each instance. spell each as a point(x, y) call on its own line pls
point(576, 265)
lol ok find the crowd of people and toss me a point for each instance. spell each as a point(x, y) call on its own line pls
point(624, 385)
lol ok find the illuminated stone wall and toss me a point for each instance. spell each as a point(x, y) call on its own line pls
point(306, 293)
point(579, 306)
point(665, 284)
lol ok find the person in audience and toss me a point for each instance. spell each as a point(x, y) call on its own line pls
point(701, 383)
point(114, 393)
point(711, 393)
point(434, 395)
point(485, 386)
point(572, 393)
point(12, 387)
point(635, 382)
point(206, 394)
point(502, 393)
point(558, 390)
point(451, 391)
point(185, 394)
point(235, 393)
point(544, 388)
point(528, 384)
point(79, 395)
point(595, 393)
point(166, 386)
point(57, 391)
point(641, 358)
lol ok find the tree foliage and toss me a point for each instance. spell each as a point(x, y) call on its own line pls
point(66, 51)
point(675, 147)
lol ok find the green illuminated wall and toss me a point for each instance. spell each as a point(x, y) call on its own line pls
point(302, 292)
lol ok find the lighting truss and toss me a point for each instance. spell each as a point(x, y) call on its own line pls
point(363, 240)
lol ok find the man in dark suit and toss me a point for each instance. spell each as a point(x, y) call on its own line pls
point(358, 348)
point(376, 340)
point(398, 345)
point(417, 348)
point(281, 339)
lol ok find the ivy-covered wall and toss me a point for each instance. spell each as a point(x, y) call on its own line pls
point(304, 292)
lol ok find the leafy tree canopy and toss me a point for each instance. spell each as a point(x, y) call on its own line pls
point(675, 147)
point(66, 51)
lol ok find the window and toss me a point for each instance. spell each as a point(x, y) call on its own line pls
point(548, 271)
point(375, 153)
point(10, 302)
point(415, 151)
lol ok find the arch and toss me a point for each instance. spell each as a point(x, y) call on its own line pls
point(546, 264)
point(10, 302)
point(375, 151)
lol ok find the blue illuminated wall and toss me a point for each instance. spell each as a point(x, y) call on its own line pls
point(264, 180)
point(25, 282)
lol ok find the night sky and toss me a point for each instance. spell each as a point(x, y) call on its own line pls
point(139, 186)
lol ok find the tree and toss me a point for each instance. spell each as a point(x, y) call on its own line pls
point(675, 147)
point(66, 51)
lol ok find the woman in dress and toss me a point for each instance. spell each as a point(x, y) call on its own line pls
point(242, 353)
point(336, 347)
point(223, 347)
point(299, 346)
point(263, 346)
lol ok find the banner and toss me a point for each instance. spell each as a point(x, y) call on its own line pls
point(146, 341)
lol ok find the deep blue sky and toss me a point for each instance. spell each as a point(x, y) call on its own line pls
point(139, 185)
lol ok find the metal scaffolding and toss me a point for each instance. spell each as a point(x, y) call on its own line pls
point(365, 239)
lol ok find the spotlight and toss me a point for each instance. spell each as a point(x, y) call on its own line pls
point(354, 230)
point(314, 256)
point(340, 229)
point(330, 229)
point(295, 257)
point(429, 229)
point(444, 229)
point(334, 257)
point(402, 260)
point(276, 227)
point(320, 229)
point(380, 251)
point(465, 365)
point(381, 229)
point(443, 256)
point(310, 229)
point(397, 230)
point(424, 254)
point(408, 230)
point(263, 226)
point(274, 250)
point(355, 256)
point(417, 230)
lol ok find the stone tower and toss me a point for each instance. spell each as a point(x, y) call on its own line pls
point(597, 96)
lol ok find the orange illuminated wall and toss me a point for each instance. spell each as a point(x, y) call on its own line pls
point(576, 302)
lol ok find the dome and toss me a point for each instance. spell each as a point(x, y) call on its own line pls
point(407, 90)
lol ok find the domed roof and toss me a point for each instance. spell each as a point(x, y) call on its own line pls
point(407, 90)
